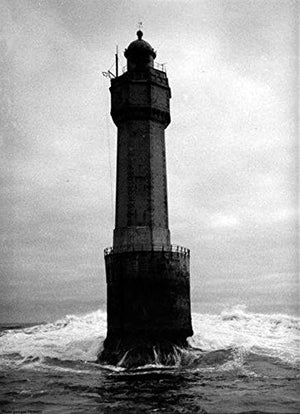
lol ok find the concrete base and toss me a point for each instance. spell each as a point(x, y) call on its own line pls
point(148, 307)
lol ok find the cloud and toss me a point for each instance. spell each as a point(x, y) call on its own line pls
point(230, 146)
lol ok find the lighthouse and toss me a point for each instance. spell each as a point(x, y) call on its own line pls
point(148, 278)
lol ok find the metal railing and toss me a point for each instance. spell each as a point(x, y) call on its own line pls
point(147, 248)
point(160, 66)
point(156, 65)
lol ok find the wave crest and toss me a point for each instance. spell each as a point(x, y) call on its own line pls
point(78, 338)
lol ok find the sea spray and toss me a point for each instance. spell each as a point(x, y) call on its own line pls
point(78, 338)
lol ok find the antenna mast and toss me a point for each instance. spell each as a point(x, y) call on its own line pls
point(117, 62)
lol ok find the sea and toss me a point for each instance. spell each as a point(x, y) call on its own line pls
point(238, 362)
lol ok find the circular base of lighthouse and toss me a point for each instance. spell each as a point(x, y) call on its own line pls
point(148, 306)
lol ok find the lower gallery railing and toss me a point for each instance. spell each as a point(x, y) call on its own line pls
point(153, 247)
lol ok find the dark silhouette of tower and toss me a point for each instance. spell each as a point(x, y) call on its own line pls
point(148, 289)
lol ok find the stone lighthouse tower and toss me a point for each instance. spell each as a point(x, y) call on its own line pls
point(148, 288)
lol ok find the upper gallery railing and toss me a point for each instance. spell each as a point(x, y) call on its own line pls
point(156, 65)
point(153, 247)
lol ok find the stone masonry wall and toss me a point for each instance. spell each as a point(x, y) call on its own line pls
point(148, 295)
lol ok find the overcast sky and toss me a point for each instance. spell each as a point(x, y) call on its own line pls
point(231, 148)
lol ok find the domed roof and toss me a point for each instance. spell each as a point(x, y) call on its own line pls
point(139, 47)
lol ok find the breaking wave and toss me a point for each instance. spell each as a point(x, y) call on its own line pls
point(221, 339)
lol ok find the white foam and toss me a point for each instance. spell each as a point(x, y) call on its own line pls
point(78, 338)
point(71, 338)
point(273, 335)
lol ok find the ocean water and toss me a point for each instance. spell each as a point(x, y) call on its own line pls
point(239, 362)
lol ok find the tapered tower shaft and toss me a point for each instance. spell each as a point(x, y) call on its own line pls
point(140, 109)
